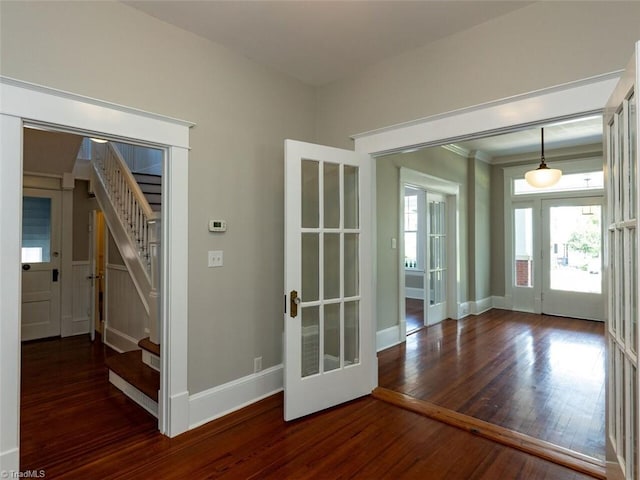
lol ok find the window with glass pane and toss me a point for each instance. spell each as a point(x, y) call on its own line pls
point(36, 230)
point(411, 229)
point(523, 247)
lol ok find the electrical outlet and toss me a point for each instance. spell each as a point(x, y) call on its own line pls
point(215, 258)
point(257, 364)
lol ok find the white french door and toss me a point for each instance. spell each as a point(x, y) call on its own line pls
point(621, 149)
point(571, 258)
point(41, 217)
point(436, 270)
point(329, 354)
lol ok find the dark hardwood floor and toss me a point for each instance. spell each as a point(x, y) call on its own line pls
point(535, 374)
point(414, 314)
point(74, 425)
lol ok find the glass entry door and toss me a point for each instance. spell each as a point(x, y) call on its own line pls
point(329, 333)
point(571, 258)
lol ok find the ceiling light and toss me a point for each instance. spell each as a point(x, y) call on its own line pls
point(542, 176)
point(98, 140)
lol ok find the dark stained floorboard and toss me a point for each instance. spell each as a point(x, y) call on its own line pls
point(535, 374)
point(75, 425)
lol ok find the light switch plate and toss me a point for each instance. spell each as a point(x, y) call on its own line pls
point(215, 258)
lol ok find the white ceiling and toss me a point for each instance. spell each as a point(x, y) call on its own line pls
point(569, 133)
point(320, 41)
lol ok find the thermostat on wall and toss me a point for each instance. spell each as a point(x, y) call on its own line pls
point(217, 226)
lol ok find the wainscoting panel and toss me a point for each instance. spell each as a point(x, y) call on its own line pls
point(125, 312)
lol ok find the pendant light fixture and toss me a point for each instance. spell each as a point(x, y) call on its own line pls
point(542, 176)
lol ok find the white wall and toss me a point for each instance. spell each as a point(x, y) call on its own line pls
point(243, 112)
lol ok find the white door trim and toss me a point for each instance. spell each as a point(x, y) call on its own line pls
point(451, 191)
point(569, 100)
point(24, 102)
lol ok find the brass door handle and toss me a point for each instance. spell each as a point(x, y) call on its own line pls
point(294, 301)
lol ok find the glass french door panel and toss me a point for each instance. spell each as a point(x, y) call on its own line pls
point(36, 229)
point(331, 265)
point(310, 341)
point(523, 247)
point(352, 333)
point(351, 195)
point(310, 267)
point(633, 288)
point(331, 197)
point(632, 155)
point(620, 143)
point(574, 250)
point(351, 265)
point(310, 184)
point(438, 285)
point(331, 336)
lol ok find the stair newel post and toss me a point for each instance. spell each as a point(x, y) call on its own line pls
point(153, 249)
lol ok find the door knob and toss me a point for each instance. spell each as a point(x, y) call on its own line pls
point(294, 302)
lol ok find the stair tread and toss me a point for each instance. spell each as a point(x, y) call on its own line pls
point(148, 178)
point(129, 366)
point(149, 346)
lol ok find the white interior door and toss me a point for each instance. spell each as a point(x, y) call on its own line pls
point(621, 148)
point(329, 333)
point(572, 258)
point(40, 263)
point(436, 270)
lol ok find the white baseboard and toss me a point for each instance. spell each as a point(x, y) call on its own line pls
point(134, 394)
point(416, 293)
point(500, 302)
point(480, 306)
point(178, 414)
point(463, 310)
point(9, 463)
point(219, 401)
point(120, 342)
point(388, 337)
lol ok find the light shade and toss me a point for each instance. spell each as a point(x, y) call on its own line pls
point(543, 176)
point(99, 140)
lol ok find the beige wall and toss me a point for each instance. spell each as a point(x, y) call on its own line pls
point(243, 112)
point(541, 45)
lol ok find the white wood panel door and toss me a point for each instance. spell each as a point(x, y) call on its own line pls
point(621, 147)
point(40, 263)
point(329, 354)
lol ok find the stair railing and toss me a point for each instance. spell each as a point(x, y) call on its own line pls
point(139, 220)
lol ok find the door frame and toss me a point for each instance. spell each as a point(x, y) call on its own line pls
point(451, 190)
point(24, 102)
point(524, 298)
point(571, 100)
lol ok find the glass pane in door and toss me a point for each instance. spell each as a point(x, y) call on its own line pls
point(523, 246)
point(633, 133)
point(574, 251)
point(310, 345)
point(310, 193)
point(36, 230)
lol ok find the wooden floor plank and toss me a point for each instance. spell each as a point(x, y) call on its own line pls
point(539, 375)
point(79, 426)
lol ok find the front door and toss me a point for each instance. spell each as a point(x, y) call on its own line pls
point(329, 354)
point(623, 183)
point(40, 264)
point(571, 258)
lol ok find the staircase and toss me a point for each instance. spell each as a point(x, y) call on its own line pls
point(131, 204)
